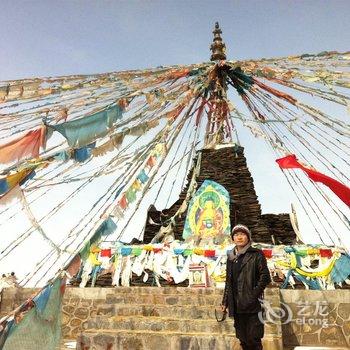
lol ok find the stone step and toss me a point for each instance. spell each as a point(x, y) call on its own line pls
point(173, 311)
point(170, 290)
point(147, 290)
point(135, 340)
point(164, 299)
point(159, 324)
point(139, 340)
point(163, 324)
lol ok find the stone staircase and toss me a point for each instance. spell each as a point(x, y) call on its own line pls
point(163, 319)
point(182, 318)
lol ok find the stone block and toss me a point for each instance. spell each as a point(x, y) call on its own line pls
point(75, 322)
point(172, 300)
point(82, 313)
point(72, 301)
point(86, 303)
point(344, 310)
point(332, 336)
point(65, 318)
point(83, 342)
point(272, 343)
point(130, 343)
point(68, 309)
point(291, 334)
point(346, 328)
point(106, 310)
point(161, 341)
point(104, 342)
point(114, 299)
point(310, 339)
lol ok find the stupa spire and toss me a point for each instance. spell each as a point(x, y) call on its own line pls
point(218, 47)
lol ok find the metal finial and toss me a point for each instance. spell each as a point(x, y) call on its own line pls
point(218, 47)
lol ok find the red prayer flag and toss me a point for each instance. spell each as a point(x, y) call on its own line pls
point(326, 253)
point(342, 191)
point(151, 161)
point(123, 202)
point(209, 253)
point(63, 285)
point(267, 253)
point(23, 147)
point(106, 253)
point(74, 265)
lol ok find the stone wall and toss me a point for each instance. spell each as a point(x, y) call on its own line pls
point(311, 317)
point(79, 305)
point(317, 317)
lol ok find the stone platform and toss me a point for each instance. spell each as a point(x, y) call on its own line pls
point(183, 318)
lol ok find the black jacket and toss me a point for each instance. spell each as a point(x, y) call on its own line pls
point(253, 278)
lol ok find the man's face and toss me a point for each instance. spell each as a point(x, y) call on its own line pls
point(240, 238)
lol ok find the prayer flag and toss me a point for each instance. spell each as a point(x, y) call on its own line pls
point(342, 191)
point(26, 146)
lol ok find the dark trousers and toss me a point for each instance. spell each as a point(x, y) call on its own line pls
point(249, 330)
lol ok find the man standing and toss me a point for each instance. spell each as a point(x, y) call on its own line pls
point(247, 275)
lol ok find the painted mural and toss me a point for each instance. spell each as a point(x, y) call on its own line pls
point(208, 215)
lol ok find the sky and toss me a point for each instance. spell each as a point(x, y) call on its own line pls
point(50, 38)
point(53, 38)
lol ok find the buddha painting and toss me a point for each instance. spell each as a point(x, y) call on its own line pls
point(208, 216)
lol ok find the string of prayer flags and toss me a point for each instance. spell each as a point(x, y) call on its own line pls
point(130, 195)
point(107, 227)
